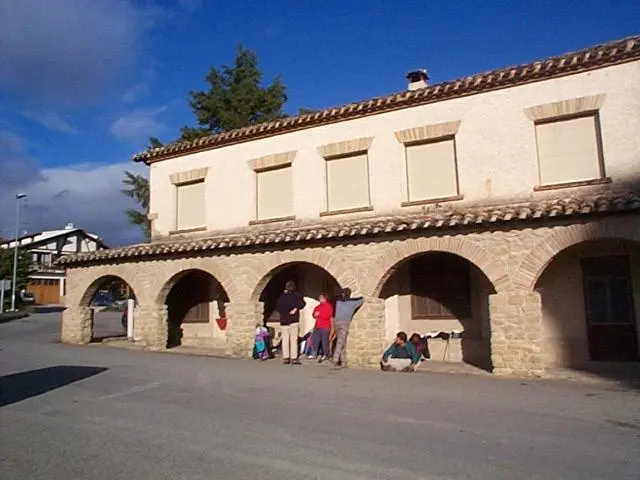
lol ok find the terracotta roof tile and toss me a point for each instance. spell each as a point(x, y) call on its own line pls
point(478, 217)
point(599, 56)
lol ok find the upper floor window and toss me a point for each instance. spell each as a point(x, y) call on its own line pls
point(190, 199)
point(431, 164)
point(347, 174)
point(569, 150)
point(568, 141)
point(432, 171)
point(274, 193)
point(348, 182)
point(274, 186)
point(190, 205)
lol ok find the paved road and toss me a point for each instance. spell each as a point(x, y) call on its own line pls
point(96, 412)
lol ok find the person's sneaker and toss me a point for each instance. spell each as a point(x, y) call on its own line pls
point(295, 362)
point(311, 357)
point(286, 361)
point(322, 359)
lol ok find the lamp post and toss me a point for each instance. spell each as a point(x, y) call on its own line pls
point(15, 252)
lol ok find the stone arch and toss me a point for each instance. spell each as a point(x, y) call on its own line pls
point(564, 237)
point(192, 300)
point(174, 270)
point(270, 265)
point(91, 287)
point(399, 252)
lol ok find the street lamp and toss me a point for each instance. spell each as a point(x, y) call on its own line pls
point(15, 252)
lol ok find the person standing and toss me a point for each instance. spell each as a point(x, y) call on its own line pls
point(322, 313)
point(288, 307)
point(345, 309)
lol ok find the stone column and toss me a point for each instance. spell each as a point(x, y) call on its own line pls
point(77, 325)
point(367, 335)
point(242, 318)
point(151, 326)
point(516, 333)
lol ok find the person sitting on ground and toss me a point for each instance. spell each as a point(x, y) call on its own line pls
point(401, 356)
point(322, 313)
point(421, 345)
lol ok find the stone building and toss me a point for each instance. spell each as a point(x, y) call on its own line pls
point(503, 204)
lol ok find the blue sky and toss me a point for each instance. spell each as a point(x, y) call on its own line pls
point(84, 83)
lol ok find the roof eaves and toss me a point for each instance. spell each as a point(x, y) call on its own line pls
point(598, 56)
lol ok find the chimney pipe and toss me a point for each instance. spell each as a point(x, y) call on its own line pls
point(418, 79)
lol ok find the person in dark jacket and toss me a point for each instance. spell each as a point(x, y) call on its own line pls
point(288, 307)
point(401, 356)
point(345, 309)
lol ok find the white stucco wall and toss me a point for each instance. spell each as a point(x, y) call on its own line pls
point(496, 151)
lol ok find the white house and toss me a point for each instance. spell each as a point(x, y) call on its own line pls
point(46, 280)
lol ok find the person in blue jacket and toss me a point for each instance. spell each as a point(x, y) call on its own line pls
point(345, 309)
point(401, 356)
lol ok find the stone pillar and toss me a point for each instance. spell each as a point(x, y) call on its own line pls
point(151, 326)
point(365, 344)
point(242, 318)
point(77, 325)
point(516, 333)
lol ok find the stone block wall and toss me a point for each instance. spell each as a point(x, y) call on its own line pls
point(512, 260)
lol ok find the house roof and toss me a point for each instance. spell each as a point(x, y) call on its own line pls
point(608, 54)
point(479, 217)
point(46, 236)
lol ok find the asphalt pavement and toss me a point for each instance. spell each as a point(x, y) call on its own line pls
point(96, 412)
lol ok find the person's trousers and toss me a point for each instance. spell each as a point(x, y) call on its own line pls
point(290, 341)
point(396, 364)
point(321, 337)
point(342, 332)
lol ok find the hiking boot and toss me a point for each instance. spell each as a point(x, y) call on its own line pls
point(286, 361)
point(295, 362)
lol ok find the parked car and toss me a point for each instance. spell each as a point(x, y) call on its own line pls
point(27, 298)
point(102, 300)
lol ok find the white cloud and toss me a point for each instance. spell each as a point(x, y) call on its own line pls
point(87, 195)
point(51, 120)
point(133, 94)
point(66, 51)
point(139, 125)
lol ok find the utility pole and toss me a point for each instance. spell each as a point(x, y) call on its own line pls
point(15, 251)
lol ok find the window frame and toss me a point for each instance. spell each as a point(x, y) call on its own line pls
point(602, 177)
point(177, 186)
point(362, 208)
point(257, 172)
point(441, 264)
point(456, 195)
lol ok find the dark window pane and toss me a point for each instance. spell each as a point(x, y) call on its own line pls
point(597, 301)
point(621, 303)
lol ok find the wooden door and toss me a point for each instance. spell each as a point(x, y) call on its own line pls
point(611, 319)
point(45, 290)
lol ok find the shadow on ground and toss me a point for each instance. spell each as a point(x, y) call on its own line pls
point(21, 386)
point(48, 308)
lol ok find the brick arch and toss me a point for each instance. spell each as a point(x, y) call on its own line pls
point(564, 237)
point(270, 265)
point(181, 267)
point(396, 254)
